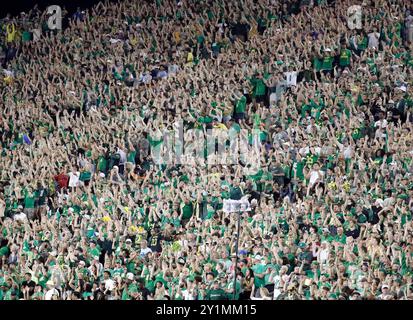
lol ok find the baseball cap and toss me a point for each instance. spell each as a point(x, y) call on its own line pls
point(129, 276)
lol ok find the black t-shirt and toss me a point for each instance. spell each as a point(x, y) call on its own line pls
point(240, 29)
point(145, 293)
point(304, 227)
point(3, 242)
point(355, 233)
point(373, 217)
point(31, 284)
point(106, 245)
point(305, 75)
point(99, 295)
point(155, 243)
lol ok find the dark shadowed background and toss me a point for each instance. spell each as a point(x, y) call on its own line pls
point(14, 7)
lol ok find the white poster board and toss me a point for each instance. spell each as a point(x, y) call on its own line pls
point(236, 205)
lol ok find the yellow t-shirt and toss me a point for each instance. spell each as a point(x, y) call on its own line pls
point(134, 41)
point(253, 31)
point(11, 32)
point(177, 36)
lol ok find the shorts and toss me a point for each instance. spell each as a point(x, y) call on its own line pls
point(239, 115)
point(260, 99)
point(30, 213)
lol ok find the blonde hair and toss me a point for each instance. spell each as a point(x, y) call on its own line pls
point(264, 292)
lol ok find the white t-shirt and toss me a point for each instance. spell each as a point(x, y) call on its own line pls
point(146, 78)
point(304, 150)
point(145, 251)
point(112, 40)
point(50, 293)
point(323, 254)
point(99, 267)
point(172, 68)
point(221, 27)
point(277, 291)
point(36, 34)
point(316, 176)
point(380, 125)
point(122, 155)
point(74, 179)
point(346, 150)
point(2, 208)
point(291, 78)
point(109, 284)
point(388, 202)
point(374, 39)
point(20, 216)
point(187, 295)
point(273, 99)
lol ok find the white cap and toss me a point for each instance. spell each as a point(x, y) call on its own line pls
point(129, 276)
point(379, 202)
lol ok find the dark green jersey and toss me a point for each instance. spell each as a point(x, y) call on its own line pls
point(218, 294)
point(328, 63)
point(345, 58)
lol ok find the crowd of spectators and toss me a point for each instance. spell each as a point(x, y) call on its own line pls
point(88, 209)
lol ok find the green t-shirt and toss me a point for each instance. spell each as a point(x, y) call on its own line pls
point(187, 210)
point(259, 87)
point(206, 119)
point(4, 251)
point(311, 274)
point(26, 36)
point(342, 239)
point(328, 63)
point(29, 201)
point(259, 268)
point(299, 169)
point(362, 45)
point(94, 252)
point(238, 288)
point(345, 58)
point(236, 193)
point(317, 64)
point(218, 294)
point(85, 176)
point(234, 130)
point(102, 164)
point(241, 105)
point(131, 157)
